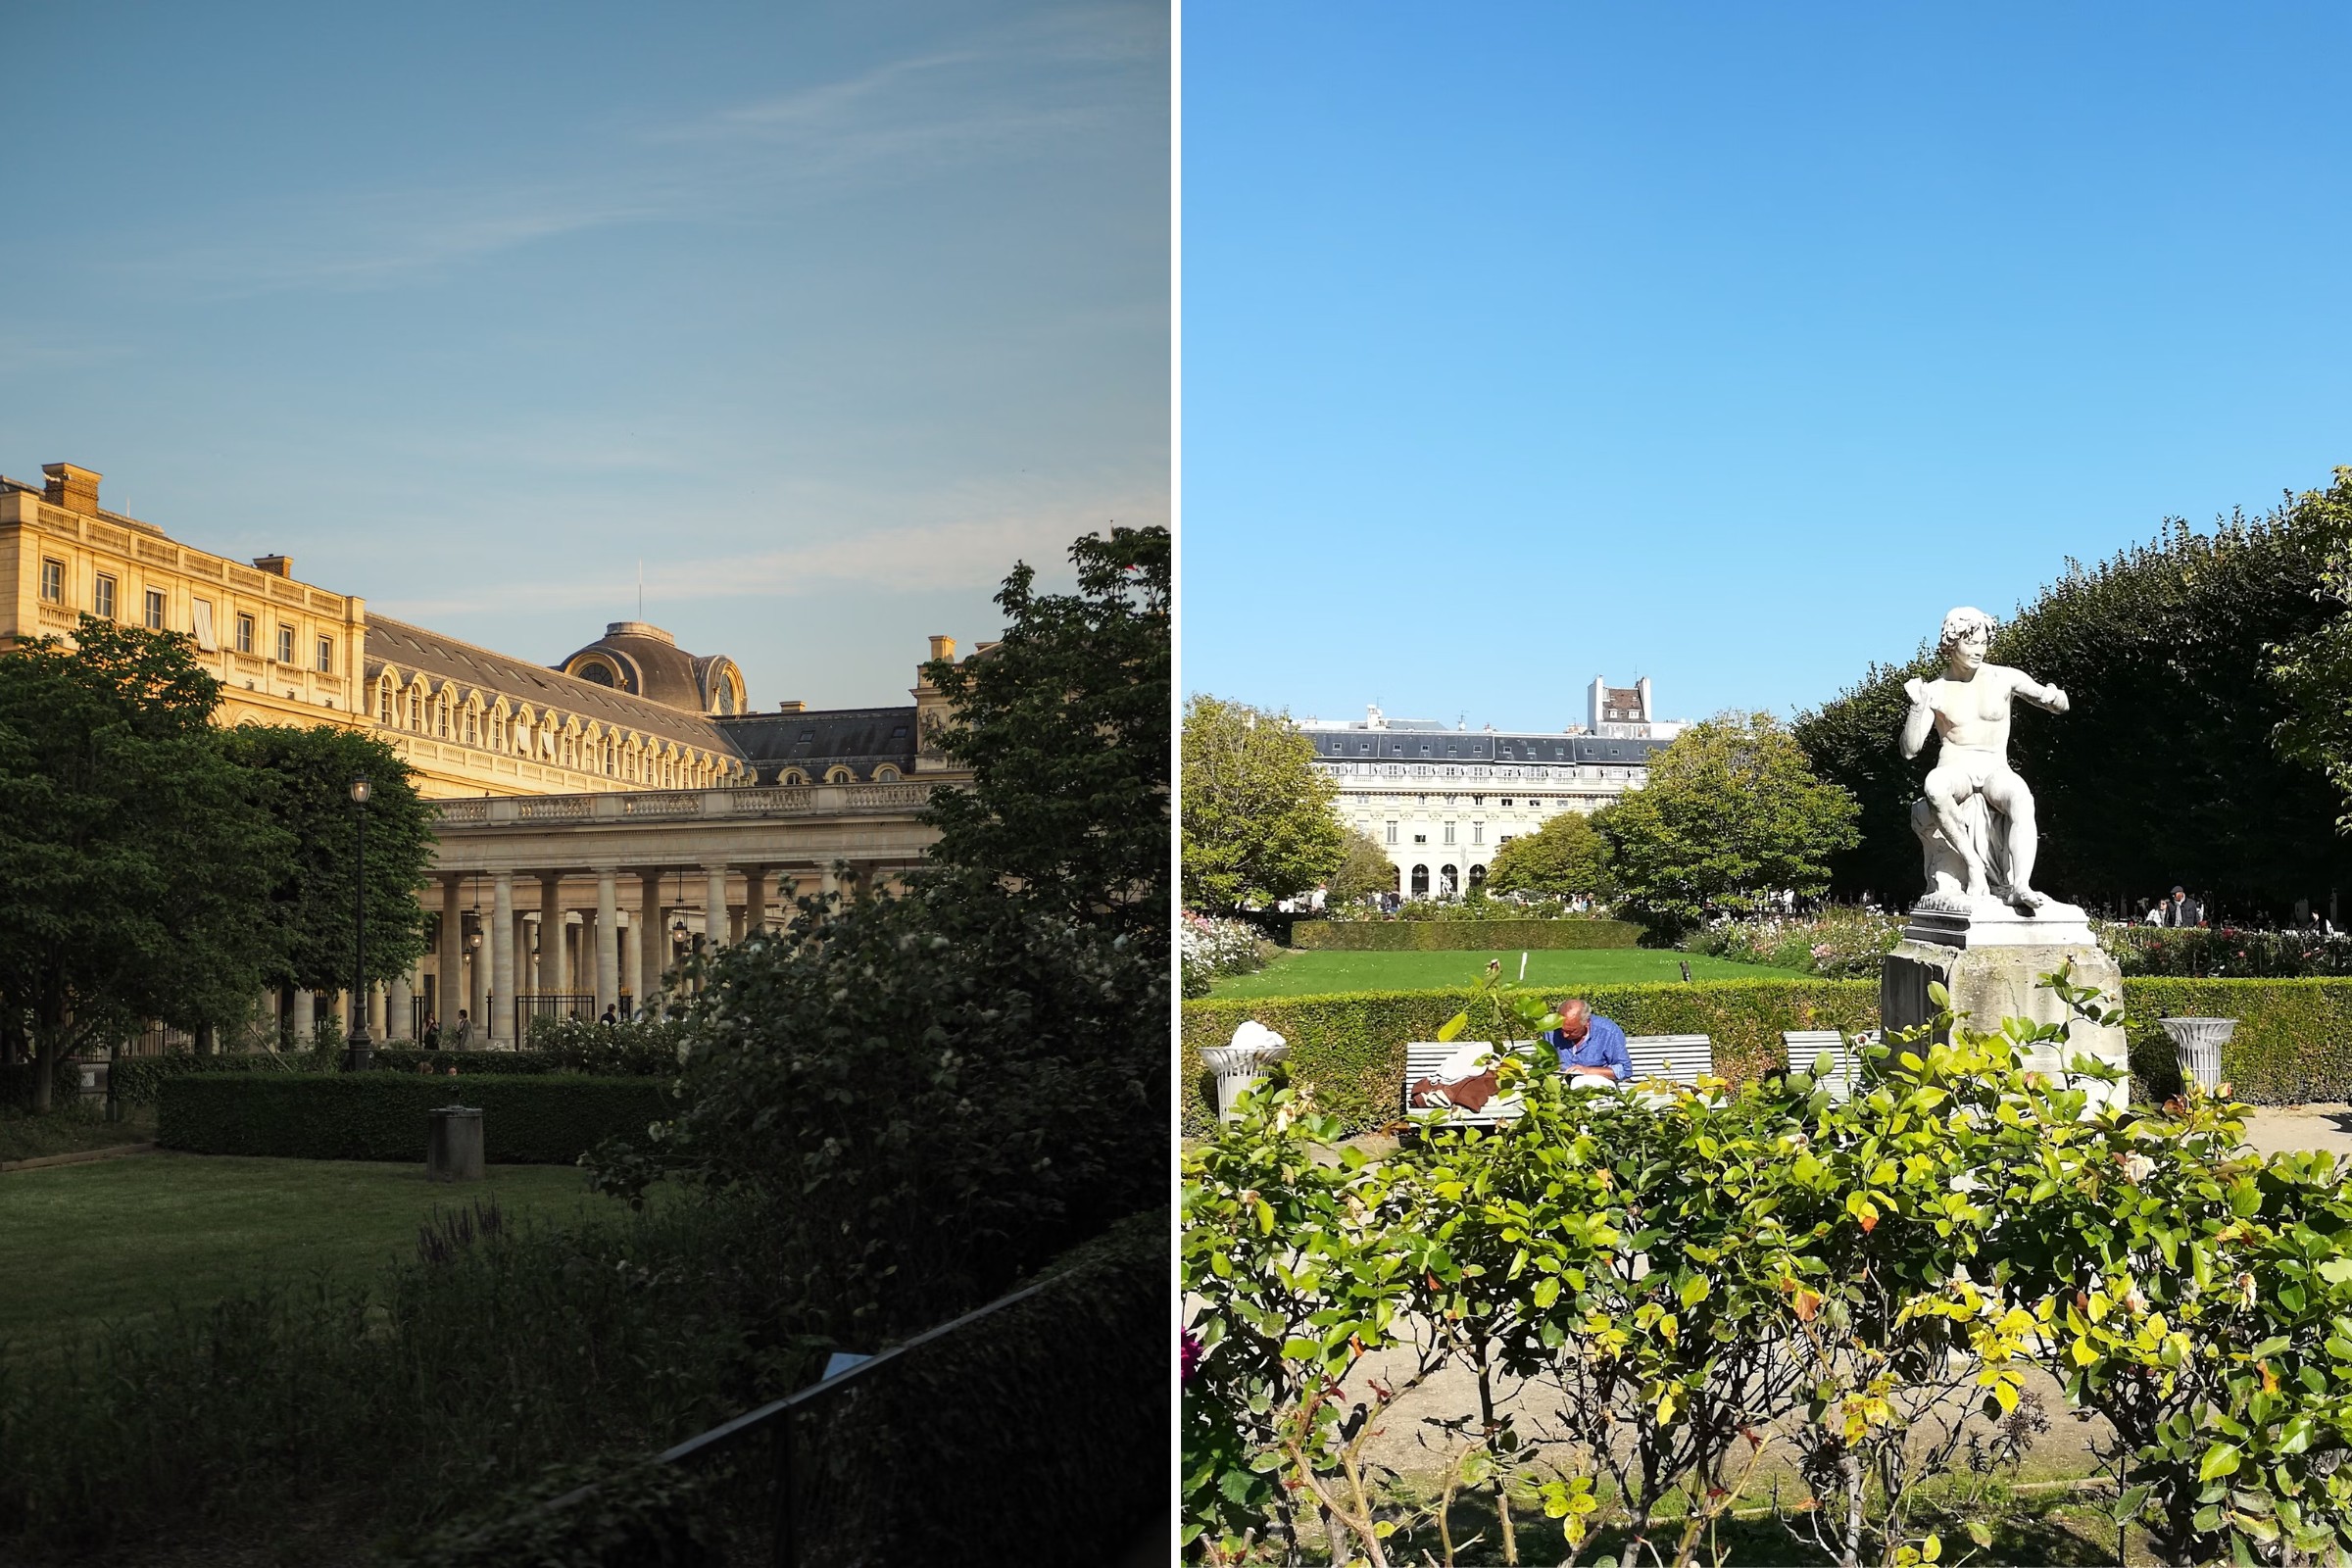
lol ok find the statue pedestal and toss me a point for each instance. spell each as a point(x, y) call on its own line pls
point(1991, 960)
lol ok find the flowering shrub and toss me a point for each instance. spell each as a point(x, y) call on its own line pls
point(1837, 943)
point(1691, 1278)
point(2225, 952)
point(1214, 948)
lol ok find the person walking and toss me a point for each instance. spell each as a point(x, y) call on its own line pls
point(2182, 910)
point(461, 1037)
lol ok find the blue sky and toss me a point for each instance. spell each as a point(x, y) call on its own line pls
point(827, 313)
point(1729, 345)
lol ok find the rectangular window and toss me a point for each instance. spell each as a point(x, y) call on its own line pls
point(1392, 832)
point(286, 645)
point(200, 615)
point(1478, 832)
point(102, 598)
point(326, 656)
point(53, 581)
point(244, 634)
point(1450, 832)
point(383, 706)
point(155, 610)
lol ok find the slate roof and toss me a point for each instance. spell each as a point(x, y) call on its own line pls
point(1477, 746)
point(862, 739)
point(413, 649)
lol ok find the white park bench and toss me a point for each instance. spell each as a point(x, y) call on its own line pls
point(1676, 1059)
point(1805, 1047)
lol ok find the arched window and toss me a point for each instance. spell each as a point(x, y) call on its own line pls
point(415, 708)
point(383, 704)
point(792, 776)
point(1420, 882)
point(839, 775)
point(497, 729)
point(886, 774)
point(441, 715)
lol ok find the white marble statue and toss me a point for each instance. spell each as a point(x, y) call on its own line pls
point(1977, 822)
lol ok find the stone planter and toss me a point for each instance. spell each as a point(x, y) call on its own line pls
point(453, 1145)
point(1237, 1067)
point(2199, 1042)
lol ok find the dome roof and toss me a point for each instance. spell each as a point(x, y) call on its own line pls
point(641, 658)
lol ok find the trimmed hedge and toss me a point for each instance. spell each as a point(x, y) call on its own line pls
point(2293, 1043)
point(1352, 1048)
point(137, 1079)
point(1461, 935)
point(549, 1119)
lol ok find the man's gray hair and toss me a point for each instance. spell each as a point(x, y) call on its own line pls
point(1572, 1006)
point(1959, 624)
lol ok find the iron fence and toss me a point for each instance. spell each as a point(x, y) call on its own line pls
point(532, 1006)
point(959, 1445)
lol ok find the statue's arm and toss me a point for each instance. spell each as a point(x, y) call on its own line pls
point(1920, 720)
point(2035, 692)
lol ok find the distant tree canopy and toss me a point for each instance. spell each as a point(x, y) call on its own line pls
point(1564, 856)
point(1365, 869)
point(1257, 824)
point(304, 780)
point(2170, 766)
point(1730, 814)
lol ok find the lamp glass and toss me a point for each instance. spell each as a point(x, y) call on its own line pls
point(359, 792)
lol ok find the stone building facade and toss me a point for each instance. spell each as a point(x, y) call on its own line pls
point(520, 753)
point(1441, 801)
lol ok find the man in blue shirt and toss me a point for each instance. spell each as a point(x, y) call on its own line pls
point(1591, 1049)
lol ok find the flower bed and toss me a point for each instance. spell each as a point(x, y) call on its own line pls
point(1212, 950)
point(1839, 943)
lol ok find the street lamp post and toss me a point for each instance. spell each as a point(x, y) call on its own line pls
point(358, 1048)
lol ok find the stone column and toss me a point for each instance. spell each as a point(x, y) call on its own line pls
point(607, 939)
point(477, 988)
point(501, 1005)
point(555, 973)
point(714, 906)
point(788, 885)
point(828, 879)
point(653, 937)
point(632, 958)
point(378, 1011)
point(755, 900)
point(399, 1006)
point(449, 983)
point(306, 1018)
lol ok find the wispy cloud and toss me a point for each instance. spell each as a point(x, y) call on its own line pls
point(902, 119)
point(964, 553)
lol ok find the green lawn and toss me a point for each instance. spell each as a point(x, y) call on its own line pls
point(71, 1129)
point(1318, 973)
point(120, 1240)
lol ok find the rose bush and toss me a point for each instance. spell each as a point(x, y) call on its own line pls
point(1691, 1276)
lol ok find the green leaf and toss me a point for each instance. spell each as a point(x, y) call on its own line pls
point(2220, 1461)
point(1453, 1027)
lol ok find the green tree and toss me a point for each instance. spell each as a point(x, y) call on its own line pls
point(1365, 870)
point(136, 860)
point(1731, 813)
point(2183, 757)
point(1257, 817)
point(306, 778)
point(1065, 725)
point(1565, 856)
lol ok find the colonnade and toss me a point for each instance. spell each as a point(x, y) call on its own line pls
point(601, 935)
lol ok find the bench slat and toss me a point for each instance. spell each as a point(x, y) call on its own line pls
point(1678, 1058)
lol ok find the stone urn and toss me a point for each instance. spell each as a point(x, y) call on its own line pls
point(2199, 1042)
point(1242, 1064)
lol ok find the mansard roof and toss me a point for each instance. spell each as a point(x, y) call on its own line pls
point(413, 649)
point(1479, 745)
point(860, 738)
